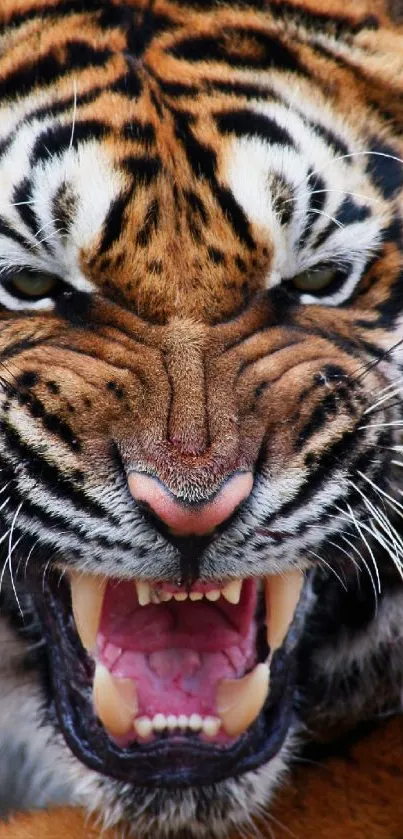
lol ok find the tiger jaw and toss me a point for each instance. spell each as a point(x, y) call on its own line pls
point(128, 710)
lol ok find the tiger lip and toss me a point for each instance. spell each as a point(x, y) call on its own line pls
point(238, 701)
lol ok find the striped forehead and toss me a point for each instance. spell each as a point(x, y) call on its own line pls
point(289, 172)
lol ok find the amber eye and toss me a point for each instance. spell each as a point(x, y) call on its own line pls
point(315, 279)
point(29, 285)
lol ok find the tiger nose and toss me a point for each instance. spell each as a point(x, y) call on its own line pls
point(191, 519)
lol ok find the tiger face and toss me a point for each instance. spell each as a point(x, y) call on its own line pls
point(201, 294)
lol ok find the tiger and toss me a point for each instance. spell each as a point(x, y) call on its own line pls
point(201, 350)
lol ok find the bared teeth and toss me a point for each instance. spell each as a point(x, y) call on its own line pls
point(87, 597)
point(209, 726)
point(147, 594)
point(196, 595)
point(143, 726)
point(239, 701)
point(232, 592)
point(213, 595)
point(115, 701)
point(143, 592)
point(282, 593)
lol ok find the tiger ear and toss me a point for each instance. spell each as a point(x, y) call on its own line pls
point(395, 8)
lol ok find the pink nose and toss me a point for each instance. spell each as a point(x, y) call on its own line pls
point(183, 519)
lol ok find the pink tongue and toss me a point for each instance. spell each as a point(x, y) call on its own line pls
point(176, 652)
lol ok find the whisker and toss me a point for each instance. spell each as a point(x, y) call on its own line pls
point(330, 567)
point(73, 122)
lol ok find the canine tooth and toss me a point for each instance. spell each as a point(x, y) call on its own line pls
point(87, 597)
point(159, 722)
point(213, 595)
point(195, 722)
point(196, 595)
point(143, 726)
point(183, 721)
point(282, 593)
point(239, 701)
point(232, 592)
point(180, 596)
point(115, 701)
point(143, 592)
point(211, 726)
point(172, 722)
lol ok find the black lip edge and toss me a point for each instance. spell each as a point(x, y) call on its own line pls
point(164, 764)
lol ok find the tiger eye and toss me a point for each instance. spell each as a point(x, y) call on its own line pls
point(34, 285)
point(314, 280)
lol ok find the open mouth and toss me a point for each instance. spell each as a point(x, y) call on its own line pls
point(157, 685)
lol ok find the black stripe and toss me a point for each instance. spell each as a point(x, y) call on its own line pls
point(287, 11)
point(143, 26)
point(113, 225)
point(143, 132)
point(202, 158)
point(327, 409)
point(283, 198)
point(338, 26)
point(48, 475)
point(64, 203)
point(57, 138)
point(265, 50)
point(144, 170)
point(176, 89)
point(330, 138)
point(196, 205)
point(19, 347)
point(386, 173)
point(128, 85)
point(348, 213)
point(234, 213)
point(52, 519)
point(62, 106)
point(246, 89)
point(54, 424)
point(48, 519)
point(203, 161)
point(44, 70)
point(325, 465)
point(45, 12)
point(150, 225)
point(245, 123)
point(21, 195)
point(7, 230)
point(6, 143)
point(317, 200)
point(209, 5)
point(351, 213)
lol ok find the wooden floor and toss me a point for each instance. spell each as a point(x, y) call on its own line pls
point(357, 795)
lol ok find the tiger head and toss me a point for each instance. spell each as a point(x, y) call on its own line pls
point(201, 303)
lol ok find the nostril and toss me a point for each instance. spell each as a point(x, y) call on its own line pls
point(190, 519)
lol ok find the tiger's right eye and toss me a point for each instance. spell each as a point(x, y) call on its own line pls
point(315, 279)
point(33, 286)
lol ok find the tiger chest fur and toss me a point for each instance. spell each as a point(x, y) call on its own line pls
point(201, 304)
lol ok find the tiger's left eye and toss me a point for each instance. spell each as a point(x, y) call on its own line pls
point(315, 279)
point(27, 285)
